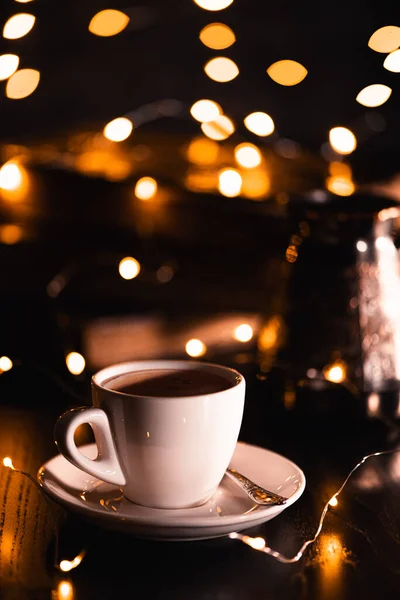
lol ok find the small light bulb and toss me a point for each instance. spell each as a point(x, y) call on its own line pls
point(7, 462)
point(68, 565)
point(257, 543)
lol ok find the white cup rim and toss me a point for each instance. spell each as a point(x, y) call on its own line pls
point(101, 377)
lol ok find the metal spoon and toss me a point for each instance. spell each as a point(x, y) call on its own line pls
point(257, 493)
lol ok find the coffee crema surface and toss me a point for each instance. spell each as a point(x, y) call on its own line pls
point(169, 383)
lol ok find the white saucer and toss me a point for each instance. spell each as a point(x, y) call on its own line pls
point(229, 510)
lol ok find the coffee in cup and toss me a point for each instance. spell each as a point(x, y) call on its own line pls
point(165, 430)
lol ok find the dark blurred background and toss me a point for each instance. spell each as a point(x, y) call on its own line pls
point(188, 230)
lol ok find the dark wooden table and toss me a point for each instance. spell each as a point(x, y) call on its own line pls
point(356, 553)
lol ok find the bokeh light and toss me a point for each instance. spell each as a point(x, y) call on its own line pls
point(22, 83)
point(129, 268)
point(392, 62)
point(247, 155)
point(18, 25)
point(271, 334)
point(195, 348)
point(230, 182)
point(374, 95)
point(256, 184)
point(362, 246)
point(118, 129)
point(75, 363)
point(213, 5)
point(165, 273)
point(202, 151)
point(217, 36)
point(201, 180)
point(218, 129)
point(342, 140)
point(386, 39)
point(145, 188)
point(340, 180)
point(291, 253)
point(259, 123)
point(287, 148)
point(106, 162)
point(65, 591)
point(108, 22)
point(243, 332)
point(340, 169)
point(340, 185)
point(336, 373)
point(6, 364)
point(205, 110)
point(8, 65)
point(287, 72)
point(10, 176)
point(221, 69)
point(11, 234)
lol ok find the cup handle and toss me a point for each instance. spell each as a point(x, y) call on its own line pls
point(106, 466)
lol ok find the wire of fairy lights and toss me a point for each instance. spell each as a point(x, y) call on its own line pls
point(258, 544)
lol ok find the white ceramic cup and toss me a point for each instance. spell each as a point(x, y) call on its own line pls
point(165, 452)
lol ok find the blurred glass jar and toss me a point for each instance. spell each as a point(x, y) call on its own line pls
point(341, 326)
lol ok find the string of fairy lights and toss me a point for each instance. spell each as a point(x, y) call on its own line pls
point(246, 177)
point(65, 588)
point(219, 127)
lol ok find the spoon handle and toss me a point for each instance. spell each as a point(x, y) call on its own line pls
point(257, 493)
